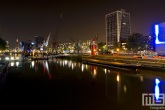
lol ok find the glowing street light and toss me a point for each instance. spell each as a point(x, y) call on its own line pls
point(118, 49)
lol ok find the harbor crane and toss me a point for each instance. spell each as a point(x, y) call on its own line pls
point(46, 42)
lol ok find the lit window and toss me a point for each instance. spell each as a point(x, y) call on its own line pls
point(124, 23)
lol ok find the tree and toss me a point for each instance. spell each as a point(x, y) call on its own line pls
point(117, 46)
point(3, 44)
point(136, 42)
point(101, 46)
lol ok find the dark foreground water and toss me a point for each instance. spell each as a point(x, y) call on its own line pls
point(67, 85)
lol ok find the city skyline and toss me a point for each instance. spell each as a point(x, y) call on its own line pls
point(79, 20)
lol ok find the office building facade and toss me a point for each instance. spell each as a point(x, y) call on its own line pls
point(117, 27)
point(38, 41)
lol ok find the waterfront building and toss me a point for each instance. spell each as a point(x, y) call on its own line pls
point(21, 46)
point(7, 45)
point(17, 45)
point(29, 46)
point(75, 47)
point(38, 41)
point(117, 27)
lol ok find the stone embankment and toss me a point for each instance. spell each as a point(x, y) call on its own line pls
point(121, 61)
point(126, 61)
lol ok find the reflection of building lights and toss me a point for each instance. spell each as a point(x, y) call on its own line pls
point(141, 78)
point(86, 66)
point(17, 63)
point(46, 69)
point(12, 63)
point(157, 81)
point(32, 64)
point(66, 62)
point(82, 67)
point(94, 72)
point(157, 91)
point(60, 63)
point(72, 66)
point(63, 63)
point(125, 88)
point(118, 78)
point(105, 70)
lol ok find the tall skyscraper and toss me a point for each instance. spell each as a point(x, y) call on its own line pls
point(117, 27)
point(38, 41)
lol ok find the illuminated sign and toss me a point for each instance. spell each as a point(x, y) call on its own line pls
point(159, 32)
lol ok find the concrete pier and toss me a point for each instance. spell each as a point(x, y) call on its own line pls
point(127, 62)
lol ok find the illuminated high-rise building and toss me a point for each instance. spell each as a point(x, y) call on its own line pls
point(21, 46)
point(117, 27)
point(17, 45)
point(38, 41)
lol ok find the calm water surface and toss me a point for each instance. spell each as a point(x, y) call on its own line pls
point(64, 84)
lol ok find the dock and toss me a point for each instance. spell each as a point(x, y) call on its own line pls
point(111, 64)
point(126, 62)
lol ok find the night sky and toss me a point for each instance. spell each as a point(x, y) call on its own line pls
point(76, 19)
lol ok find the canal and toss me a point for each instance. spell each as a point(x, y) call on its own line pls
point(61, 84)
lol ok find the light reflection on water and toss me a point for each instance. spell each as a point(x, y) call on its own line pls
point(114, 85)
point(15, 64)
point(93, 71)
point(46, 69)
point(157, 90)
point(83, 67)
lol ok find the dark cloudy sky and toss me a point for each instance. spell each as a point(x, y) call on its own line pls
point(80, 20)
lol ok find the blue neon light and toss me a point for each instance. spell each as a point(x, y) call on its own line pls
point(156, 30)
point(157, 91)
point(157, 81)
point(157, 35)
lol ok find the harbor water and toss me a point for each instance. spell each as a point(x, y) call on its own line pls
point(60, 84)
